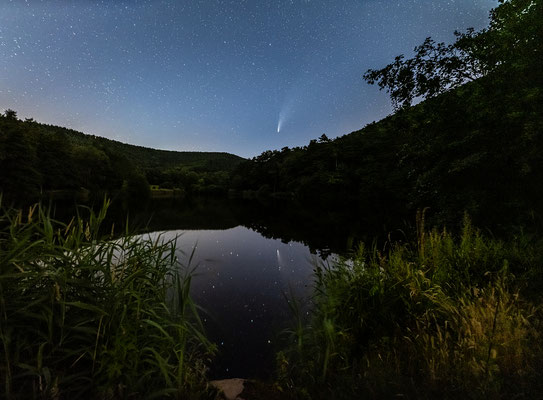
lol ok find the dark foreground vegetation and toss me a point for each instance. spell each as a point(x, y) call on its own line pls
point(444, 316)
point(84, 316)
point(448, 315)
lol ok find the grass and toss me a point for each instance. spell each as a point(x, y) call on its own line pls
point(83, 315)
point(442, 317)
point(86, 316)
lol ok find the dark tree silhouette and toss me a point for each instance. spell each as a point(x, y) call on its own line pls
point(513, 42)
point(10, 114)
point(436, 68)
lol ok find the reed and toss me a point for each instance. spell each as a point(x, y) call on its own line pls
point(445, 316)
point(88, 316)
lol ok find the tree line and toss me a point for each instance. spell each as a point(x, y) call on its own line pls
point(473, 145)
point(37, 160)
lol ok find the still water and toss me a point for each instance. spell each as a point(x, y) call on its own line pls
point(241, 282)
point(248, 256)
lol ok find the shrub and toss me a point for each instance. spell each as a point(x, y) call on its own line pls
point(441, 317)
point(95, 317)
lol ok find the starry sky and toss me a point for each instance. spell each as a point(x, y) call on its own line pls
point(212, 75)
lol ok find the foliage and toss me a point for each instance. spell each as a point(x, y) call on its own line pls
point(10, 114)
point(18, 162)
point(90, 317)
point(435, 69)
point(441, 317)
point(510, 44)
point(38, 160)
point(476, 148)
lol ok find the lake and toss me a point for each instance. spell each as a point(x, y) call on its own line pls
point(248, 255)
point(241, 282)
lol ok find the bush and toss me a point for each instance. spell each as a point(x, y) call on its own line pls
point(442, 317)
point(84, 316)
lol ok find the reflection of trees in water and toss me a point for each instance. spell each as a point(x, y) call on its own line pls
point(325, 230)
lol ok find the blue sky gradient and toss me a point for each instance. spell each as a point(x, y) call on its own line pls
point(212, 75)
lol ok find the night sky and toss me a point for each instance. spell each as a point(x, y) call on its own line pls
point(212, 75)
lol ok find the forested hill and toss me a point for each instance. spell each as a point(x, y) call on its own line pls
point(474, 145)
point(147, 158)
point(36, 159)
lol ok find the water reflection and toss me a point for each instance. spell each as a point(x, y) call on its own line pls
point(324, 231)
point(248, 253)
point(241, 279)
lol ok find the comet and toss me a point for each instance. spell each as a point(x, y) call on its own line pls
point(279, 260)
point(284, 114)
point(287, 109)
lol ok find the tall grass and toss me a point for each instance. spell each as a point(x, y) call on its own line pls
point(443, 317)
point(95, 317)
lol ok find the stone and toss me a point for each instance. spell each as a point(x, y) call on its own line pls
point(231, 388)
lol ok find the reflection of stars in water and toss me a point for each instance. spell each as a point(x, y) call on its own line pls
point(239, 284)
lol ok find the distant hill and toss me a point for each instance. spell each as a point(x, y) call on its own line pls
point(37, 159)
point(148, 158)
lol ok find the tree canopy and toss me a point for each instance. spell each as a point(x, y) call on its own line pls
point(513, 41)
point(37, 160)
point(475, 144)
